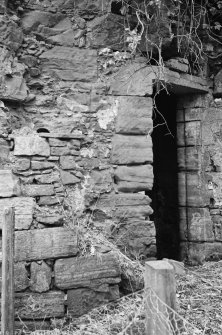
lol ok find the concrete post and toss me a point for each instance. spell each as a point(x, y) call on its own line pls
point(160, 292)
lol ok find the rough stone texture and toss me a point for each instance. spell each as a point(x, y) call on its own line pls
point(92, 271)
point(82, 300)
point(12, 84)
point(24, 208)
point(134, 115)
point(9, 184)
point(195, 224)
point(134, 178)
point(199, 252)
point(31, 20)
point(4, 152)
point(40, 306)
point(192, 190)
point(31, 146)
point(189, 158)
point(218, 85)
point(131, 149)
point(10, 33)
point(45, 243)
point(106, 31)
point(66, 63)
point(41, 276)
point(189, 133)
point(135, 79)
point(68, 178)
point(178, 64)
point(21, 276)
point(38, 165)
point(67, 162)
point(34, 190)
point(136, 238)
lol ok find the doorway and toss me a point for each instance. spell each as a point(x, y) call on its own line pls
point(164, 194)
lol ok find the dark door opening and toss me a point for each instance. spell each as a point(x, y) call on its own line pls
point(165, 189)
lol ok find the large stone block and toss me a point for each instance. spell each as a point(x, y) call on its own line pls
point(189, 158)
point(10, 33)
point(217, 227)
point(31, 146)
point(189, 133)
point(134, 79)
point(72, 64)
point(9, 184)
point(81, 301)
point(134, 115)
point(192, 191)
point(13, 88)
point(128, 149)
point(134, 178)
point(107, 31)
point(197, 253)
point(32, 19)
point(89, 272)
point(40, 306)
point(218, 85)
point(46, 243)
point(24, 207)
point(136, 238)
point(195, 224)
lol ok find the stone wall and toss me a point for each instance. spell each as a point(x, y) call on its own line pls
point(76, 155)
point(75, 159)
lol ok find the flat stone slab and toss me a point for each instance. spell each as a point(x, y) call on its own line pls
point(134, 178)
point(137, 79)
point(24, 207)
point(134, 115)
point(9, 184)
point(40, 306)
point(129, 149)
point(46, 243)
point(72, 64)
point(82, 300)
point(89, 271)
point(31, 146)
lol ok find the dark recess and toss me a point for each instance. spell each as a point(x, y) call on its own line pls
point(165, 190)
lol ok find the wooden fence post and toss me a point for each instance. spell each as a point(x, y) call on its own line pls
point(160, 292)
point(7, 297)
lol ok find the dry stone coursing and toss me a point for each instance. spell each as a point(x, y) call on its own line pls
point(46, 243)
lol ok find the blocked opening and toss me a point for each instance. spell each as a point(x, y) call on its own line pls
point(165, 189)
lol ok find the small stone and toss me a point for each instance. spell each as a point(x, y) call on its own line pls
point(41, 275)
point(22, 164)
point(48, 201)
point(68, 178)
point(36, 165)
point(67, 162)
point(34, 190)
